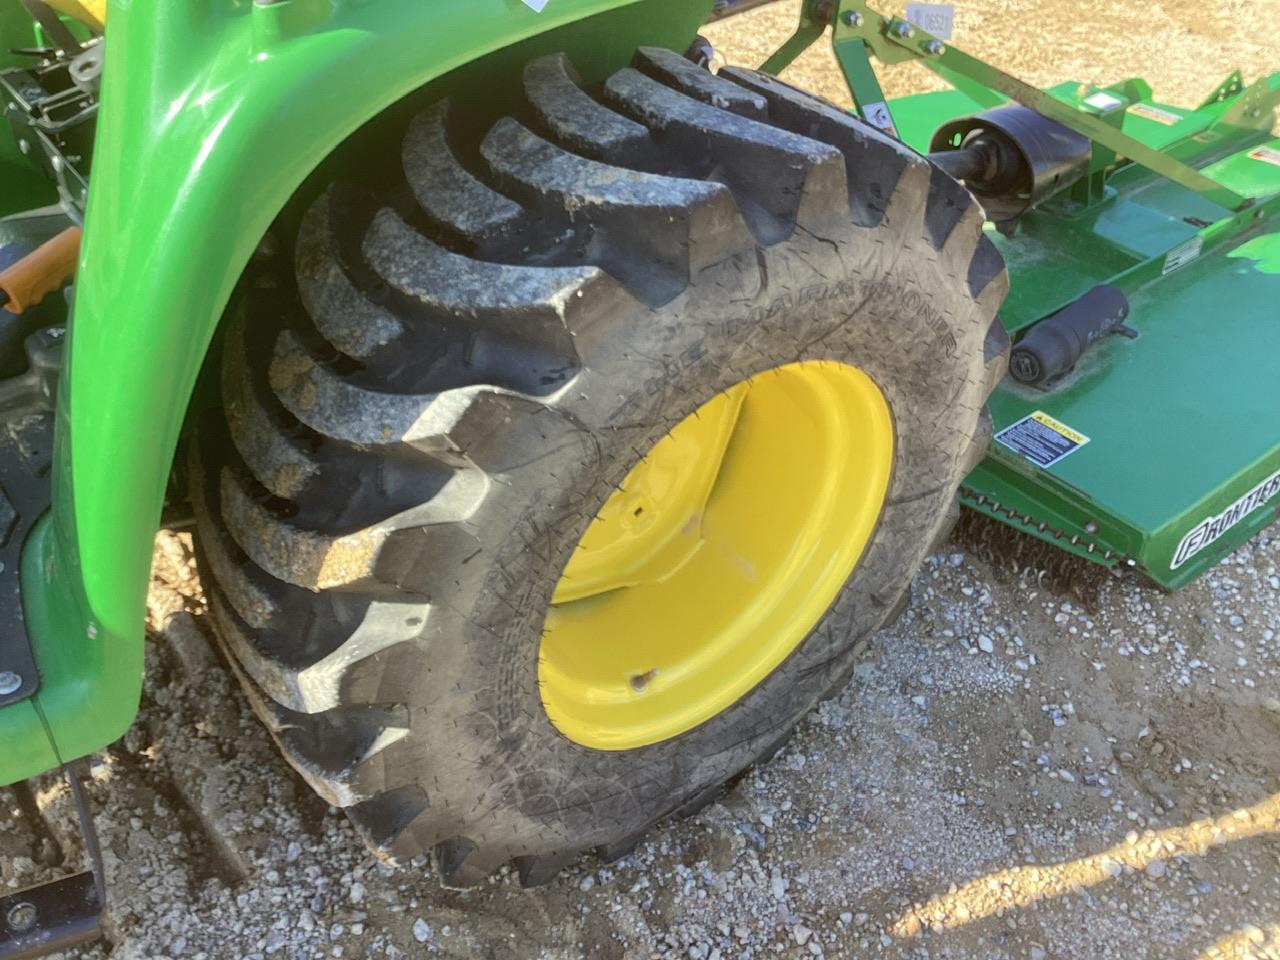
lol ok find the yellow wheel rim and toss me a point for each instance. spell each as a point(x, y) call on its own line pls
point(717, 556)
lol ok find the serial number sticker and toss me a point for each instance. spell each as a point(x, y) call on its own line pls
point(1103, 102)
point(1267, 155)
point(1210, 529)
point(1167, 117)
point(537, 5)
point(1180, 256)
point(936, 18)
point(1041, 439)
point(878, 116)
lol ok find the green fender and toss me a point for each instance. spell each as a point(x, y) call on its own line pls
point(213, 114)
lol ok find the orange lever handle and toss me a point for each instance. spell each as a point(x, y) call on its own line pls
point(43, 270)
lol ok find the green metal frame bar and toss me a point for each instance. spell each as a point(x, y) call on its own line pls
point(868, 96)
point(815, 17)
point(860, 32)
point(1228, 88)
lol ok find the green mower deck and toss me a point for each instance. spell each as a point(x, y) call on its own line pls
point(1158, 449)
point(1181, 458)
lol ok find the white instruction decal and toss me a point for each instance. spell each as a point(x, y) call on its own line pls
point(1211, 528)
point(1041, 439)
point(1267, 155)
point(537, 5)
point(1182, 255)
point(1103, 102)
point(878, 115)
point(936, 18)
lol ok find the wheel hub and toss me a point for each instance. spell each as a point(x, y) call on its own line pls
point(717, 555)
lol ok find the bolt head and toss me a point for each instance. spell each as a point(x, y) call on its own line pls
point(10, 682)
point(904, 30)
point(934, 47)
point(22, 917)
point(852, 18)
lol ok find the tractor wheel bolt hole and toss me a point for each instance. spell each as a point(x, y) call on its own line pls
point(641, 680)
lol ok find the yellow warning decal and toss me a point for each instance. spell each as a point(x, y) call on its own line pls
point(1041, 439)
point(1057, 426)
point(1167, 117)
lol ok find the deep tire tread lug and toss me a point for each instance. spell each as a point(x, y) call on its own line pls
point(446, 190)
point(577, 120)
point(701, 84)
point(384, 821)
point(637, 218)
point(537, 871)
point(608, 853)
point(779, 178)
point(344, 314)
point(874, 162)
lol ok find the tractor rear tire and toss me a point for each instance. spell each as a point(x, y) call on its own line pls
point(469, 359)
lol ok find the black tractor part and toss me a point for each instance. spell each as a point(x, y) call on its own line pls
point(54, 917)
point(1010, 157)
point(1056, 343)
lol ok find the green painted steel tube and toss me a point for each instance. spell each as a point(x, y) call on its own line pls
point(213, 113)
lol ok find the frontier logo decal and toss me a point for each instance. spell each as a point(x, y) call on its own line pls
point(1211, 528)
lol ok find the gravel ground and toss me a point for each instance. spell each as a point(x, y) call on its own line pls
point(1039, 760)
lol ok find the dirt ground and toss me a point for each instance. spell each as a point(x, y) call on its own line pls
point(1039, 760)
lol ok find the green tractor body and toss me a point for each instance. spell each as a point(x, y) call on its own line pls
point(203, 152)
point(1154, 446)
